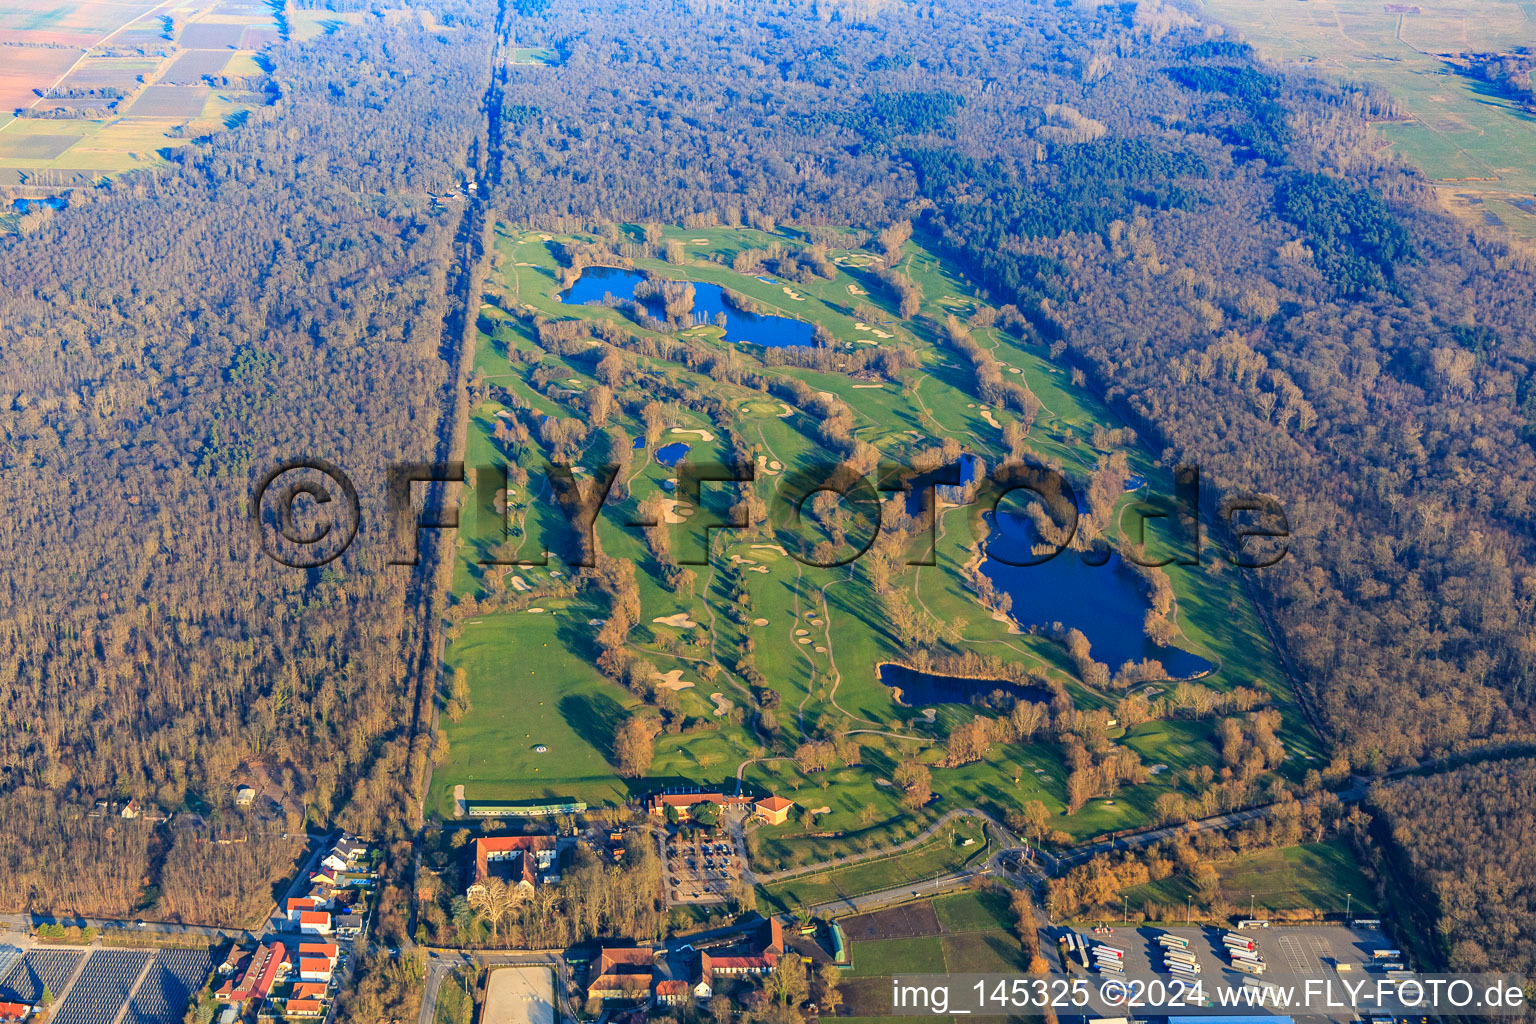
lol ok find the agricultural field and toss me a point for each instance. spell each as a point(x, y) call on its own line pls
point(543, 726)
point(132, 78)
point(1474, 143)
point(964, 932)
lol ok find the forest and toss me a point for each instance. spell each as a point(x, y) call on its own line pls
point(1461, 865)
point(279, 293)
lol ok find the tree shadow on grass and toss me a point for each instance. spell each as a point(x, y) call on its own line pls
point(595, 717)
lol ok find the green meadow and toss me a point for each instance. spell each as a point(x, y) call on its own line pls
point(1472, 141)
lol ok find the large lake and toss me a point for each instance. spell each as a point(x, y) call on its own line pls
point(597, 283)
point(1106, 603)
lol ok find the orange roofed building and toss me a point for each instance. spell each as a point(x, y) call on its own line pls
point(533, 860)
point(622, 974)
point(774, 809)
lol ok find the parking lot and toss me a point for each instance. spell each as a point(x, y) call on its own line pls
point(1292, 955)
point(700, 869)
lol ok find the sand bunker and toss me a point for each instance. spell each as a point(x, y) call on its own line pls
point(883, 334)
point(771, 547)
point(762, 466)
point(820, 649)
point(868, 387)
point(722, 706)
point(860, 325)
point(788, 409)
point(739, 560)
point(674, 511)
point(803, 640)
point(518, 583)
point(680, 620)
point(759, 622)
point(986, 414)
point(802, 632)
point(1014, 369)
point(672, 680)
point(854, 289)
point(699, 241)
point(758, 568)
point(703, 435)
point(821, 810)
point(535, 611)
point(794, 294)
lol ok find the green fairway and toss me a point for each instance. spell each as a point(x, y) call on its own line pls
point(808, 638)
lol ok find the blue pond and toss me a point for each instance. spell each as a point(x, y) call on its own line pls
point(639, 443)
point(50, 202)
point(919, 688)
point(596, 283)
point(970, 468)
point(1107, 603)
point(671, 454)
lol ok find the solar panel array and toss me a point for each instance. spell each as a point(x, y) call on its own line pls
point(163, 996)
point(8, 957)
point(103, 986)
point(40, 969)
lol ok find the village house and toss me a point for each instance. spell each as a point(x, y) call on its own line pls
point(255, 975)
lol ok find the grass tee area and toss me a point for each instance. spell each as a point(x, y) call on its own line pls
point(751, 657)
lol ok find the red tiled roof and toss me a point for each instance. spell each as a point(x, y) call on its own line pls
point(635, 983)
point(672, 987)
point(775, 803)
point(314, 917)
point(642, 956)
point(268, 971)
point(510, 844)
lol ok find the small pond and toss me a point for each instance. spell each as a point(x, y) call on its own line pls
point(596, 283)
point(48, 202)
point(671, 454)
point(920, 688)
